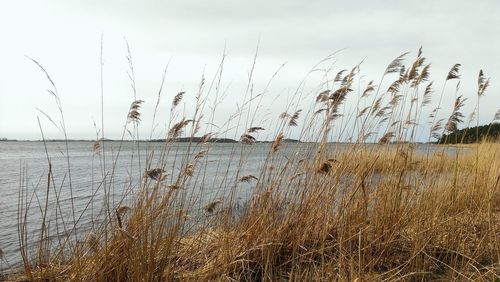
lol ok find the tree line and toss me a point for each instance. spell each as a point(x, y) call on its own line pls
point(489, 132)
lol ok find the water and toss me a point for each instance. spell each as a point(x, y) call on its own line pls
point(24, 169)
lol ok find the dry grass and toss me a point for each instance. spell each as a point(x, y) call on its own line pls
point(367, 212)
point(419, 219)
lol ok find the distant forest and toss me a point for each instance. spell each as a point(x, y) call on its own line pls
point(490, 132)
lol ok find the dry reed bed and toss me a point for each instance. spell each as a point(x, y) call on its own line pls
point(368, 212)
point(447, 226)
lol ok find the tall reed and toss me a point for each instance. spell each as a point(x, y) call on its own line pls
point(377, 209)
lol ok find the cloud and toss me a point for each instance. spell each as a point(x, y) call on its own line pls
point(65, 38)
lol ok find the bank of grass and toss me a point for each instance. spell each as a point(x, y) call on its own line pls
point(367, 212)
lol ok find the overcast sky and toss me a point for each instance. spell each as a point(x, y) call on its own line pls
point(64, 36)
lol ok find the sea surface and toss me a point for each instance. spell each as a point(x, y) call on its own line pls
point(78, 186)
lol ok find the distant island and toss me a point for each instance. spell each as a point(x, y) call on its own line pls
point(195, 140)
point(489, 132)
point(215, 140)
point(179, 140)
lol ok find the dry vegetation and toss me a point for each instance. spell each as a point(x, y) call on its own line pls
point(366, 212)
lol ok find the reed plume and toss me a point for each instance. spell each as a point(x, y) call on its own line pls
point(247, 178)
point(177, 129)
point(206, 137)
point(396, 64)
point(456, 116)
point(482, 83)
point(369, 88)
point(337, 98)
point(277, 142)
point(339, 76)
point(427, 94)
point(376, 106)
point(255, 129)
point(155, 174)
point(454, 72)
point(247, 139)
point(284, 115)
point(325, 167)
point(386, 138)
point(200, 154)
point(133, 113)
point(382, 111)
point(97, 147)
point(363, 111)
point(189, 170)
point(294, 118)
point(210, 208)
point(423, 76)
point(177, 99)
point(395, 86)
point(323, 96)
point(436, 128)
point(413, 71)
point(122, 210)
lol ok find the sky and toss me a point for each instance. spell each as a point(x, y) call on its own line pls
point(191, 37)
